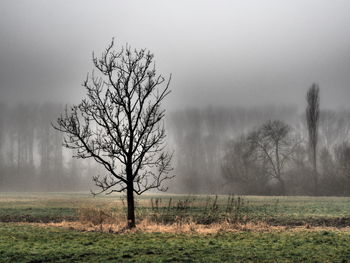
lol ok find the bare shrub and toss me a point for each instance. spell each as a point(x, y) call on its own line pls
point(98, 216)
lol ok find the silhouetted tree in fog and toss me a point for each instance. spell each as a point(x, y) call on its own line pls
point(50, 149)
point(242, 168)
point(202, 136)
point(312, 118)
point(275, 146)
point(120, 124)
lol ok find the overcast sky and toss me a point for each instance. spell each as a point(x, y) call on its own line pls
point(243, 52)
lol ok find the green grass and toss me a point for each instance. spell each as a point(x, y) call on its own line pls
point(55, 207)
point(23, 243)
point(29, 243)
point(48, 207)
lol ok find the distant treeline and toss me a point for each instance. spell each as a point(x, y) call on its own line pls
point(215, 152)
point(31, 156)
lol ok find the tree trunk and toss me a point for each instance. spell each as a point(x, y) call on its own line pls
point(130, 197)
point(282, 186)
point(131, 205)
point(315, 171)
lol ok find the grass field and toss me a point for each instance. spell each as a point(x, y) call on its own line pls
point(48, 207)
point(22, 243)
point(324, 237)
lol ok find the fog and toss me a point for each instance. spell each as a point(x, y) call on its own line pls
point(247, 62)
point(227, 50)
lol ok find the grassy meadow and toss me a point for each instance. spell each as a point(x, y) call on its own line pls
point(42, 227)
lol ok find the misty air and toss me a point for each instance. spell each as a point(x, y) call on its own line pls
point(175, 131)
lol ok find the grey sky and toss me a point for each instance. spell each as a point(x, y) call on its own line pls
point(220, 52)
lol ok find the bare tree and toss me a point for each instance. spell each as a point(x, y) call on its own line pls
point(120, 124)
point(275, 147)
point(312, 119)
point(241, 167)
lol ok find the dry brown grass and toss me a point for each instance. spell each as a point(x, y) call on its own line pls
point(146, 226)
point(109, 219)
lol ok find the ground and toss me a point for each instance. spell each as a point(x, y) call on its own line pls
point(262, 229)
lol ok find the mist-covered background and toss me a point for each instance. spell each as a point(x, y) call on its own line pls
point(234, 65)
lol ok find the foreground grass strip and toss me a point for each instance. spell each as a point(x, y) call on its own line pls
point(25, 243)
